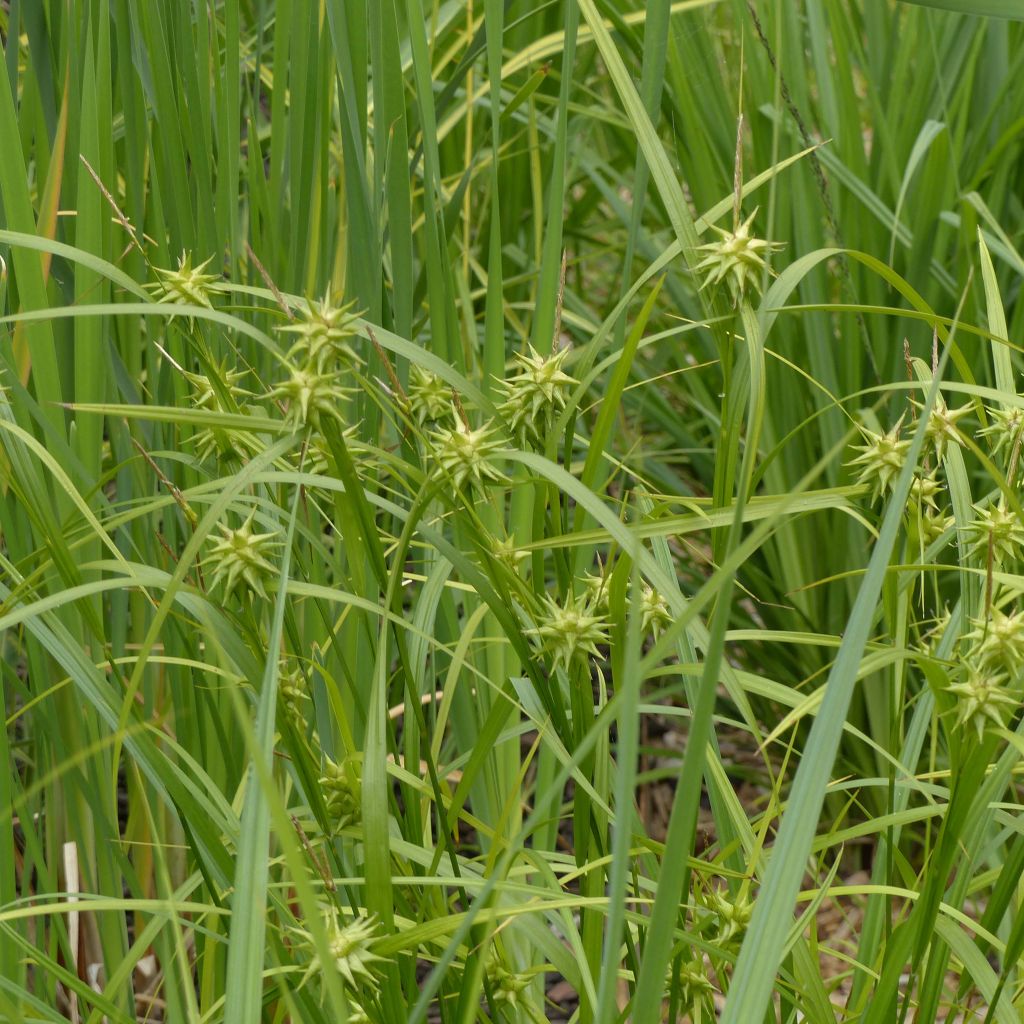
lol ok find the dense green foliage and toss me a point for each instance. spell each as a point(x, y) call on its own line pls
point(429, 431)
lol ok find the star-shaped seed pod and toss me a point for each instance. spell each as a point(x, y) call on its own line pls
point(982, 700)
point(350, 945)
point(998, 640)
point(565, 631)
point(655, 613)
point(465, 454)
point(930, 524)
point(430, 397)
point(239, 559)
point(537, 393)
point(881, 458)
point(506, 985)
point(942, 427)
point(733, 916)
point(924, 491)
point(737, 258)
point(997, 529)
point(1005, 429)
point(187, 285)
point(209, 392)
point(595, 591)
point(692, 982)
point(309, 395)
point(322, 336)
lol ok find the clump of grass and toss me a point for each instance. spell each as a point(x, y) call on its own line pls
point(619, 558)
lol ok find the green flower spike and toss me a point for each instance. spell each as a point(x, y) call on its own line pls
point(999, 642)
point(881, 458)
point(187, 285)
point(294, 695)
point(430, 397)
point(998, 529)
point(506, 985)
point(1006, 429)
point(342, 786)
point(738, 258)
point(655, 614)
point(465, 454)
point(692, 983)
point(537, 393)
point(351, 952)
point(239, 559)
point(323, 332)
point(982, 700)
point(309, 395)
point(565, 631)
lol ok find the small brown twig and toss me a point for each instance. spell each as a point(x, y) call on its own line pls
point(460, 409)
point(558, 303)
point(118, 213)
point(269, 282)
point(392, 376)
point(318, 863)
point(176, 494)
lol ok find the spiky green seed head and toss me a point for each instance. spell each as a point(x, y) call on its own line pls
point(997, 529)
point(691, 982)
point(934, 635)
point(595, 592)
point(1006, 427)
point(568, 631)
point(187, 285)
point(225, 443)
point(220, 391)
point(430, 397)
point(998, 641)
point(881, 458)
point(926, 520)
point(309, 395)
point(210, 390)
point(737, 258)
point(342, 785)
point(982, 700)
point(942, 428)
point(466, 455)
point(925, 491)
point(323, 333)
point(655, 613)
point(506, 552)
point(239, 559)
point(537, 393)
point(733, 916)
point(928, 524)
point(506, 986)
point(350, 947)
